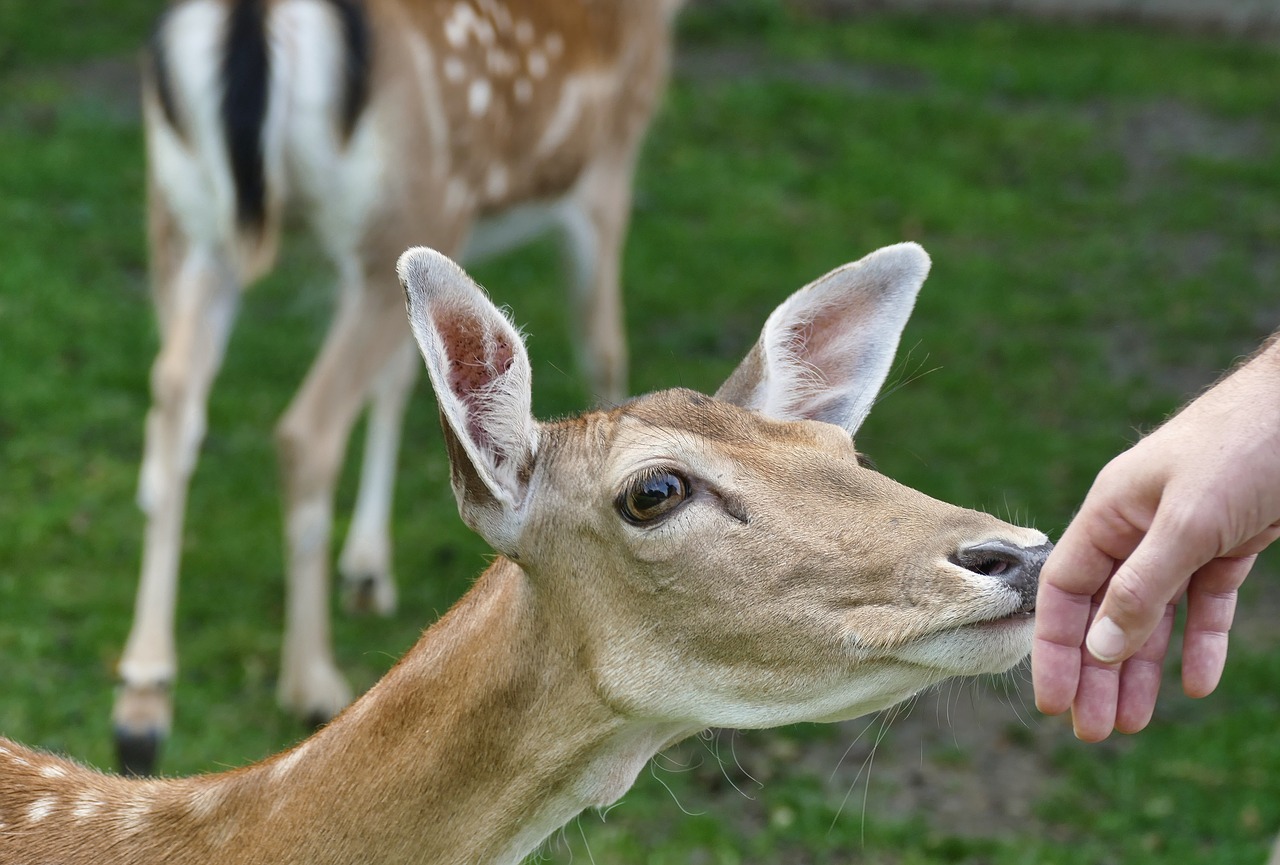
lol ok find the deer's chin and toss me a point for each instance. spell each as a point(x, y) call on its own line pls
point(990, 646)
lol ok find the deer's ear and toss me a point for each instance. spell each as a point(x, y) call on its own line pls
point(826, 351)
point(480, 371)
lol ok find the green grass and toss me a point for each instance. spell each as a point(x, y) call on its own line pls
point(1103, 209)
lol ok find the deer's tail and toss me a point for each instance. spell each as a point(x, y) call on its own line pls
point(219, 129)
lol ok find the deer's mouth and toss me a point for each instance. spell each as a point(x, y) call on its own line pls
point(1017, 619)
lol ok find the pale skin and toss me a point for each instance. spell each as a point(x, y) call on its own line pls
point(1178, 518)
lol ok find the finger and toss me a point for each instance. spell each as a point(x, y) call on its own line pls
point(1065, 605)
point(1143, 584)
point(1061, 621)
point(1211, 607)
point(1093, 713)
point(1141, 675)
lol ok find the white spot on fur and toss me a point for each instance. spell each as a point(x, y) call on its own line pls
point(458, 25)
point(496, 183)
point(555, 44)
point(537, 63)
point(86, 806)
point(523, 89)
point(53, 770)
point(207, 799)
point(287, 761)
point(479, 95)
point(41, 808)
point(465, 22)
point(524, 31)
point(134, 815)
point(454, 69)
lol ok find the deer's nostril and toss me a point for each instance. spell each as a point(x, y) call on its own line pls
point(993, 559)
point(990, 567)
point(1017, 567)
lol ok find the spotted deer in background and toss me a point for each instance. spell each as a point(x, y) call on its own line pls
point(466, 124)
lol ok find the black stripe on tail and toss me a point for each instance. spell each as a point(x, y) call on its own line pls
point(245, 75)
point(357, 48)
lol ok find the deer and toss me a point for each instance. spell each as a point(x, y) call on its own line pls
point(677, 562)
point(471, 124)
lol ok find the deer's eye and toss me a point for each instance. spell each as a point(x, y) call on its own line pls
point(651, 496)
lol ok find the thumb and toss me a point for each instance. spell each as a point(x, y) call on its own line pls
point(1141, 587)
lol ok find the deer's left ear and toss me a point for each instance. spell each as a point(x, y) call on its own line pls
point(825, 352)
point(480, 371)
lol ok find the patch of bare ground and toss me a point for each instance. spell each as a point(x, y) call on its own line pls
point(1254, 19)
point(716, 64)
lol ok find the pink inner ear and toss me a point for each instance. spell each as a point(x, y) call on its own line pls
point(478, 357)
point(822, 341)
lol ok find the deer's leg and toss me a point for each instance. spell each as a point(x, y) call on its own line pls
point(365, 563)
point(595, 227)
point(197, 299)
point(369, 327)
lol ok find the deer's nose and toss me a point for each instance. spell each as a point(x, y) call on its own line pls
point(1015, 566)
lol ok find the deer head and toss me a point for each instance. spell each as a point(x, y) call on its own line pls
point(730, 560)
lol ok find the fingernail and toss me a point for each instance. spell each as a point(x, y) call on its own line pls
point(1105, 641)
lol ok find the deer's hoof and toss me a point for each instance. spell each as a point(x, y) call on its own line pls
point(315, 693)
point(138, 752)
point(141, 720)
point(369, 593)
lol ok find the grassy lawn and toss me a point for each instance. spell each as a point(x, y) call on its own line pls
point(1103, 210)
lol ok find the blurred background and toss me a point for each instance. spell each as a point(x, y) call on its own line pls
point(1098, 183)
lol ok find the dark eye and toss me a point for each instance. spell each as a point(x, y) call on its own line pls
point(652, 495)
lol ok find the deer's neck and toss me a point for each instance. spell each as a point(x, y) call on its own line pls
point(483, 740)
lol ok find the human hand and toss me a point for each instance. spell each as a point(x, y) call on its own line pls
point(1183, 513)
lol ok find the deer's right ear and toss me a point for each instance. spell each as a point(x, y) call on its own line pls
point(480, 371)
point(826, 351)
